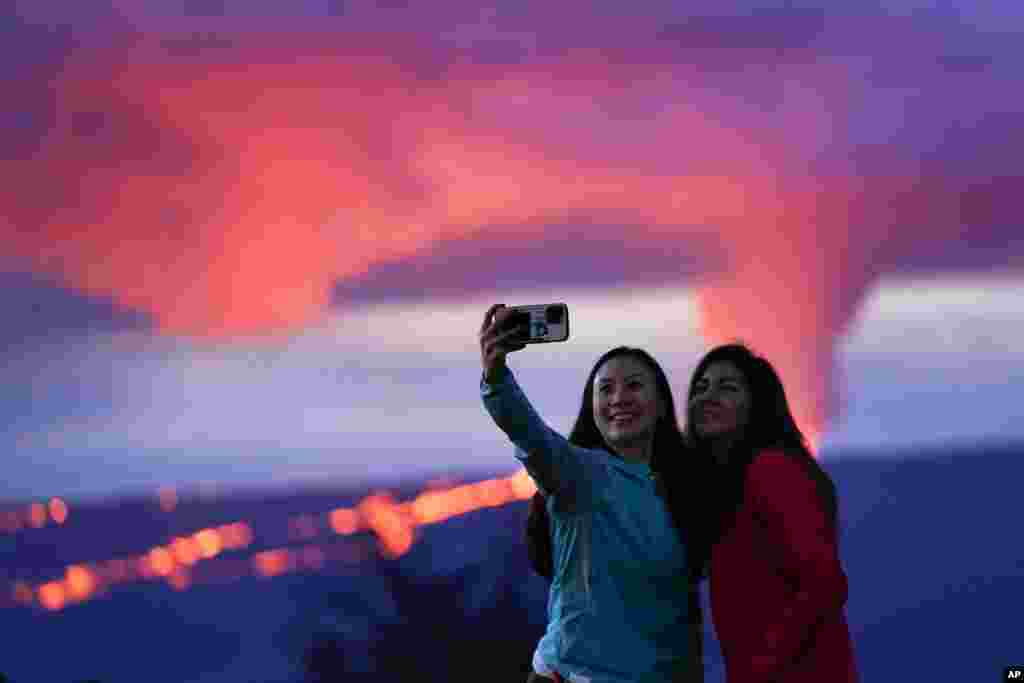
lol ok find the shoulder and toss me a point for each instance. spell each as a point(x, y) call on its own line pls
point(773, 460)
point(774, 472)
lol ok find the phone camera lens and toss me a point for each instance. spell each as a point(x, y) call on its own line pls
point(553, 315)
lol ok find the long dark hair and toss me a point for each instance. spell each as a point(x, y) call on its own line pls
point(703, 497)
point(671, 461)
point(770, 426)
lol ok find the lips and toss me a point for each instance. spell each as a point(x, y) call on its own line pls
point(622, 417)
point(713, 414)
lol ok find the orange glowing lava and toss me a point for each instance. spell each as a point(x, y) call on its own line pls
point(185, 550)
point(52, 595)
point(180, 579)
point(344, 521)
point(58, 510)
point(81, 583)
point(395, 524)
point(37, 515)
point(273, 562)
point(393, 527)
point(209, 543)
point(161, 561)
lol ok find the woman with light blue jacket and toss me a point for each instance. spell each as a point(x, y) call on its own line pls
point(621, 494)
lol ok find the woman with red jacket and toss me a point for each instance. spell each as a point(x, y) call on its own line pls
point(778, 590)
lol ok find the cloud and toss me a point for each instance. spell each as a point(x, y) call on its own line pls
point(243, 181)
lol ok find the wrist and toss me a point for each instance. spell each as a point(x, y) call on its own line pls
point(495, 373)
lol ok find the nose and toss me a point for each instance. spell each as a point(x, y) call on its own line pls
point(708, 400)
point(618, 398)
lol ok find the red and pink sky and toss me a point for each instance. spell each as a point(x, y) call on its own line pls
point(219, 213)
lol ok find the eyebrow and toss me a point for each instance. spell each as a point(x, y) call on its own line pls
point(727, 378)
point(606, 380)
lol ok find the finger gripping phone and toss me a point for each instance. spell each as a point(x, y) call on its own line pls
point(542, 323)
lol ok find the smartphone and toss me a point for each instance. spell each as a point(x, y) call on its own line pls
point(541, 323)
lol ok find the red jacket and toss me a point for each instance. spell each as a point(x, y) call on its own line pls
point(777, 588)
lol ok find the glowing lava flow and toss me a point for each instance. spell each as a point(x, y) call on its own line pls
point(35, 516)
point(179, 561)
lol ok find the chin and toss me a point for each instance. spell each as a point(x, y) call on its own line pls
point(711, 433)
point(628, 437)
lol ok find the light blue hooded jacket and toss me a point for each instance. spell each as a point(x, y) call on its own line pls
point(618, 603)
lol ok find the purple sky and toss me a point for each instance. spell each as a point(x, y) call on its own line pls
point(182, 181)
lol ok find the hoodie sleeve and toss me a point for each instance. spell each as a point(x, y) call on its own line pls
point(552, 462)
point(788, 503)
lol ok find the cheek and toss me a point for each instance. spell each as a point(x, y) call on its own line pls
point(653, 409)
point(651, 399)
point(742, 414)
point(731, 418)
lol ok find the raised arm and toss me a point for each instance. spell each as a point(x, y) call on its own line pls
point(787, 501)
point(550, 459)
point(496, 343)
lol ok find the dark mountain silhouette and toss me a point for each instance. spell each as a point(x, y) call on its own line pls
point(930, 541)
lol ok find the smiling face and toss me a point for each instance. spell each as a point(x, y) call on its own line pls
point(720, 402)
point(626, 403)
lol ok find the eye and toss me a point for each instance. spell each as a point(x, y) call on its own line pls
point(634, 385)
point(603, 389)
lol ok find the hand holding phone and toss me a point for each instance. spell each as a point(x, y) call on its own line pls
point(508, 329)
